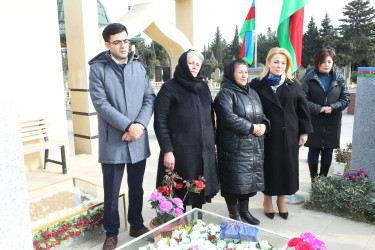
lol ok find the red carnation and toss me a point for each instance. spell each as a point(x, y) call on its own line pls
point(179, 185)
point(101, 221)
point(78, 233)
point(176, 239)
point(65, 227)
point(200, 185)
point(53, 233)
point(46, 236)
point(90, 228)
point(57, 242)
point(65, 237)
point(71, 234)
point(86, 221)
point(36, 243)
point(293, 242)
point(304, 245)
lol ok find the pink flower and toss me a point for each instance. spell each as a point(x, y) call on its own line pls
point(318, 244)
point(309, 237)
point(177, 211)
point(162, 199)
point(156, 195)
point(293, 242)
point(166, 206)
point(178, 202)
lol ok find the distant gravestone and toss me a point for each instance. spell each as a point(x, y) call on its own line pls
point(158, 73)
point(217, 73)
point(254, 73)
point(363, 145)
point(166, 73)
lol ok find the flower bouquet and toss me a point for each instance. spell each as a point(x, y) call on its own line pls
point(165, 203)
point(307, 241)
point(356, 176)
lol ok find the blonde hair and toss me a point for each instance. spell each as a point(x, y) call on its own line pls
point(289, 63)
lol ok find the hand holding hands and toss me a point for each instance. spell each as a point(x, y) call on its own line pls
point(326, 109)
point(134, 132)
point(259, 129)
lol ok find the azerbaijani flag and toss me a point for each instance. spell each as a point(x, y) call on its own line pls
point(247, 36)
point(289, 32)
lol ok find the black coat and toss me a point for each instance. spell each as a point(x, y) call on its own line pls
point(240, 153)
point(289, 115)
point(327, 127)
point(184, 124)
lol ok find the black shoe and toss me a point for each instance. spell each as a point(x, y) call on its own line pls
point(245, 214)
point(270, 215)
point(284, 215)
point(139, 232)
point(110, 243)
point(233, 213)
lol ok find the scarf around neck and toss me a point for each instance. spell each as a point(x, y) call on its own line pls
point(273, 80)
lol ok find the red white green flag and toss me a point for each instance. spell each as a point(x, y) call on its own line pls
point(247, 36)
point(290, 30)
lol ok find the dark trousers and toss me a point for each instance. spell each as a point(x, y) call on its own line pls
point(112, 177)
point(325, 155)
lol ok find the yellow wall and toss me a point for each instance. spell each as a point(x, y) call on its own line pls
point(31, 65)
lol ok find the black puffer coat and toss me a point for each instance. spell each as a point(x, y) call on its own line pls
point(240, 153)
point(327, 127)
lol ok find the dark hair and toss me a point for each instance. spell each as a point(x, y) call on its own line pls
point(112, 29)
point(321, 55)
point(239, 62)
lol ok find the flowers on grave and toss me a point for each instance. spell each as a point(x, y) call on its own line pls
point(68, 229)
point(164, 200)
point(200, 235)
point(356, 177)
point(306, 241)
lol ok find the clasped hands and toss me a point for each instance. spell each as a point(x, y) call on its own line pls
point(134, 132)
point(259, 129)
point(326, 109)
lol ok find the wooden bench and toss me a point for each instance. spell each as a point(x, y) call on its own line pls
point(37, 129)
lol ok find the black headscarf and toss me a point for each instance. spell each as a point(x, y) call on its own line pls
point(229, 71)
point(183, 75)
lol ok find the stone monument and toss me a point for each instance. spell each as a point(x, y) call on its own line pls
point(363, 147)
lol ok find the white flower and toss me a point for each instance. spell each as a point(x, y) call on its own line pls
point(231, 245)
point(245, 243)
point(172, 242)
point(185, 239)
point(221, 243)
point(264, 245)
point(239, 246)
point(163, 242)
point(175, 234)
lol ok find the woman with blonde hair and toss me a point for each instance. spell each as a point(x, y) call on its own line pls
point(285, 106)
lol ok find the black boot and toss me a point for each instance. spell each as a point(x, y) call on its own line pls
point(313, 171)
point(233, 212)
point(245, 214)
point(324, 168)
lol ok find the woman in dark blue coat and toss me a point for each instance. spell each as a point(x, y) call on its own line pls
point(241, 125)
point(327, 96)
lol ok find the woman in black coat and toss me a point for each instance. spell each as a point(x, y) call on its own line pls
point(285, 106)
point(184, 127)
point(327, 96)
point(240, 128)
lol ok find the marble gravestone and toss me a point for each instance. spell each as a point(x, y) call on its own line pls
point(15, 226)
point(363, 145)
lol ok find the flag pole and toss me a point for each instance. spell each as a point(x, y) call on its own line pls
point(255, 49)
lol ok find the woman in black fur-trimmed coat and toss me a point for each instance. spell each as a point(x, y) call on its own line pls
point(184, 127)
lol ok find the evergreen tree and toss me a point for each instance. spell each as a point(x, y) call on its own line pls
point(235, 45)
point(328, 33)
point(161, 54)
point(358, 33)
point(217, 46)
point(311, 44)
point(265, 43)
